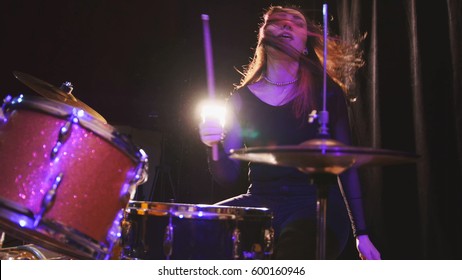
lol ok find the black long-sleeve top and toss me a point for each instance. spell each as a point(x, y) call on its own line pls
point(261, 124)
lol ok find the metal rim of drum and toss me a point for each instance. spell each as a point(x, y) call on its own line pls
point(72, 242)
point(64, 111)
point(203, 211)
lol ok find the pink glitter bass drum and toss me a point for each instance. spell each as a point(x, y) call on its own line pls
point(65, 177)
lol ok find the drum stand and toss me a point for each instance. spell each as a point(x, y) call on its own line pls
point(162, 170)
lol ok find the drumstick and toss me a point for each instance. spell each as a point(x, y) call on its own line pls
point(209, 67)
point(324, 114)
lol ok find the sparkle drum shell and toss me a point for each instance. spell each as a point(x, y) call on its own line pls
point(157, 230)
point(65, 176)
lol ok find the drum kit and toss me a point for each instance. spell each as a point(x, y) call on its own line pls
point(69, 179)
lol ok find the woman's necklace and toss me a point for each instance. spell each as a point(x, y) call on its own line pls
point(280, 84)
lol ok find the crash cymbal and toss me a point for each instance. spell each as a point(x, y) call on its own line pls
point(62, 94)
point(322, 156)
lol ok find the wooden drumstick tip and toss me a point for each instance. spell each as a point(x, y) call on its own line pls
point(205, 17)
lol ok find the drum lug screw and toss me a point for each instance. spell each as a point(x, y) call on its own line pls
point(48, 200)
point(236, 243)
point(168, 239)
point(269, 241)
point(63, 135)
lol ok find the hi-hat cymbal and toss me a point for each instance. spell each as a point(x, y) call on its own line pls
point(322, 156)
point(51, 92)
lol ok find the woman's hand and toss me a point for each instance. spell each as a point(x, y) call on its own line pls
point(366, 249)
point(211, 131)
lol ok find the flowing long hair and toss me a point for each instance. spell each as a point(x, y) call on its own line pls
point(343, 60)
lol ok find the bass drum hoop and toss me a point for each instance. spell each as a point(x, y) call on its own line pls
point(64, 111)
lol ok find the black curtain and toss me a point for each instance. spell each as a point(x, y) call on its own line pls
point(409, 98)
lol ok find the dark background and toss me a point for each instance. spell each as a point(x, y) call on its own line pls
point(141, 65)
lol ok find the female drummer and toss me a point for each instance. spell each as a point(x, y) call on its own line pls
point(272, 106)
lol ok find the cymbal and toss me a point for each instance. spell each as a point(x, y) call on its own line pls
point(51, 92)
point(322, 156)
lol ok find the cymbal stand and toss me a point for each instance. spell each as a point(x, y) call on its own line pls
point(162, 169)
point(322, 181)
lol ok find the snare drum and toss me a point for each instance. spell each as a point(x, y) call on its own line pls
point(65, 177)
point(156, 230)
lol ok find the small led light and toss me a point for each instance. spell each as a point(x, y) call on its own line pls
point(7, 98)
point(22, 223)
point(58, 179)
